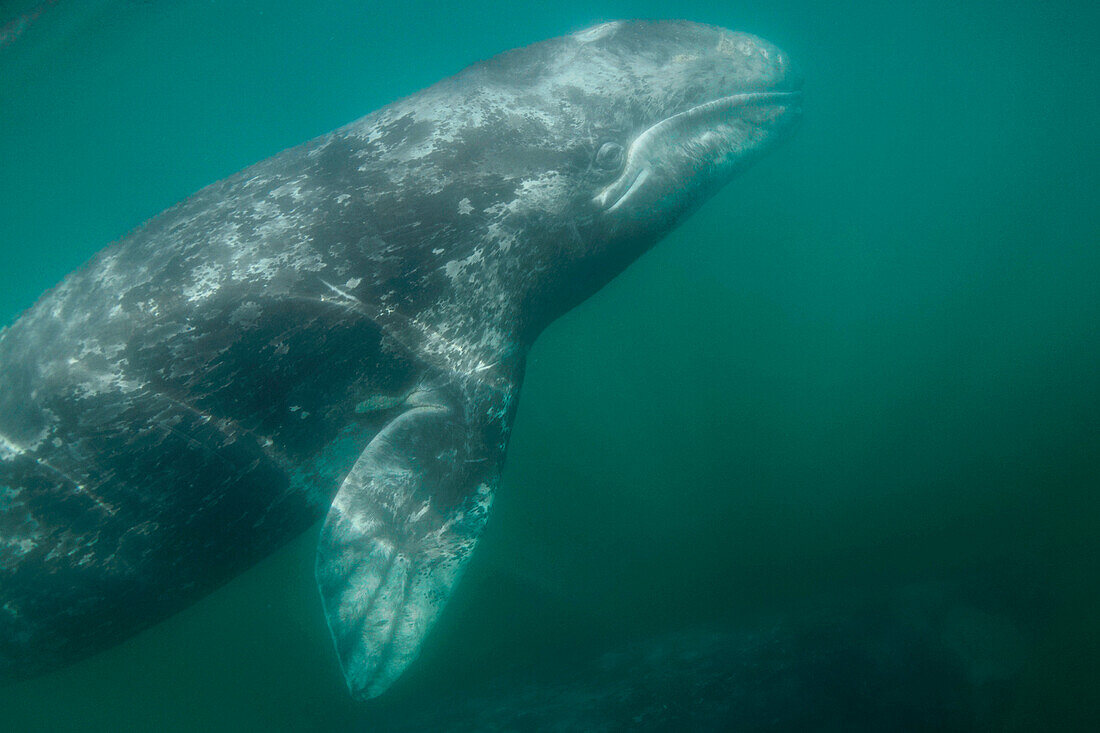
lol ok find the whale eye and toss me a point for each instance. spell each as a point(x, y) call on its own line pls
point(610, 157)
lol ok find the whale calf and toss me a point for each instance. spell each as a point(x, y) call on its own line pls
point(339, 332)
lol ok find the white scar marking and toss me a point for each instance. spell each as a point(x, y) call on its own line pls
point(420, 512)
point(596, 32)
point(9, 446)
point(343, 293)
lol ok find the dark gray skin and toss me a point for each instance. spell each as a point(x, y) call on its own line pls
point(342, 329)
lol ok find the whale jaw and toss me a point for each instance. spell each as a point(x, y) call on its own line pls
point(699, 148)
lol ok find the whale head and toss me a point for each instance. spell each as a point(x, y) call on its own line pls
point(644, 121)
point(676, 109)
point(544, 171)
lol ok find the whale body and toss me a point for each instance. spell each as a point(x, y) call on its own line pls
point(339, 332)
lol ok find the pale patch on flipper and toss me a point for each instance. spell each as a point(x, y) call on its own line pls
point(400, 531)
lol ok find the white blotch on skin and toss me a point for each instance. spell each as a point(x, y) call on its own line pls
point(207, 279)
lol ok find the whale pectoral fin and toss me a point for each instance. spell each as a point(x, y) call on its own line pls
point(399, 533)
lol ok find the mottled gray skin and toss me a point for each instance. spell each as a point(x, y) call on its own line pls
point(342, 328)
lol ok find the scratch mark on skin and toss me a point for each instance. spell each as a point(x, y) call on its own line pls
point(342, 293)
point(9, 446)
point(80, 487)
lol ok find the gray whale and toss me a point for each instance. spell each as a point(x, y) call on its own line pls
point(339, 331)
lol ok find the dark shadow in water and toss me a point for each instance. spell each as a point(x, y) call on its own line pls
point(921, 658)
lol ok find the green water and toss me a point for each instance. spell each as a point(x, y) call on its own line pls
point(872, 359)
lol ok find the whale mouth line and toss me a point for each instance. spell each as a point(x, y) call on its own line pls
point(636, 166)
point(731, 101)
point(742, 98)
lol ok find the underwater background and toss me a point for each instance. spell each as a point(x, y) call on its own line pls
point(869, 364)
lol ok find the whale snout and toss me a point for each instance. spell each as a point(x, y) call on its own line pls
point(789, 76)
point(755, 64)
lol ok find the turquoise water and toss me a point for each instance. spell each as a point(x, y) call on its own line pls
point(871, 360)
